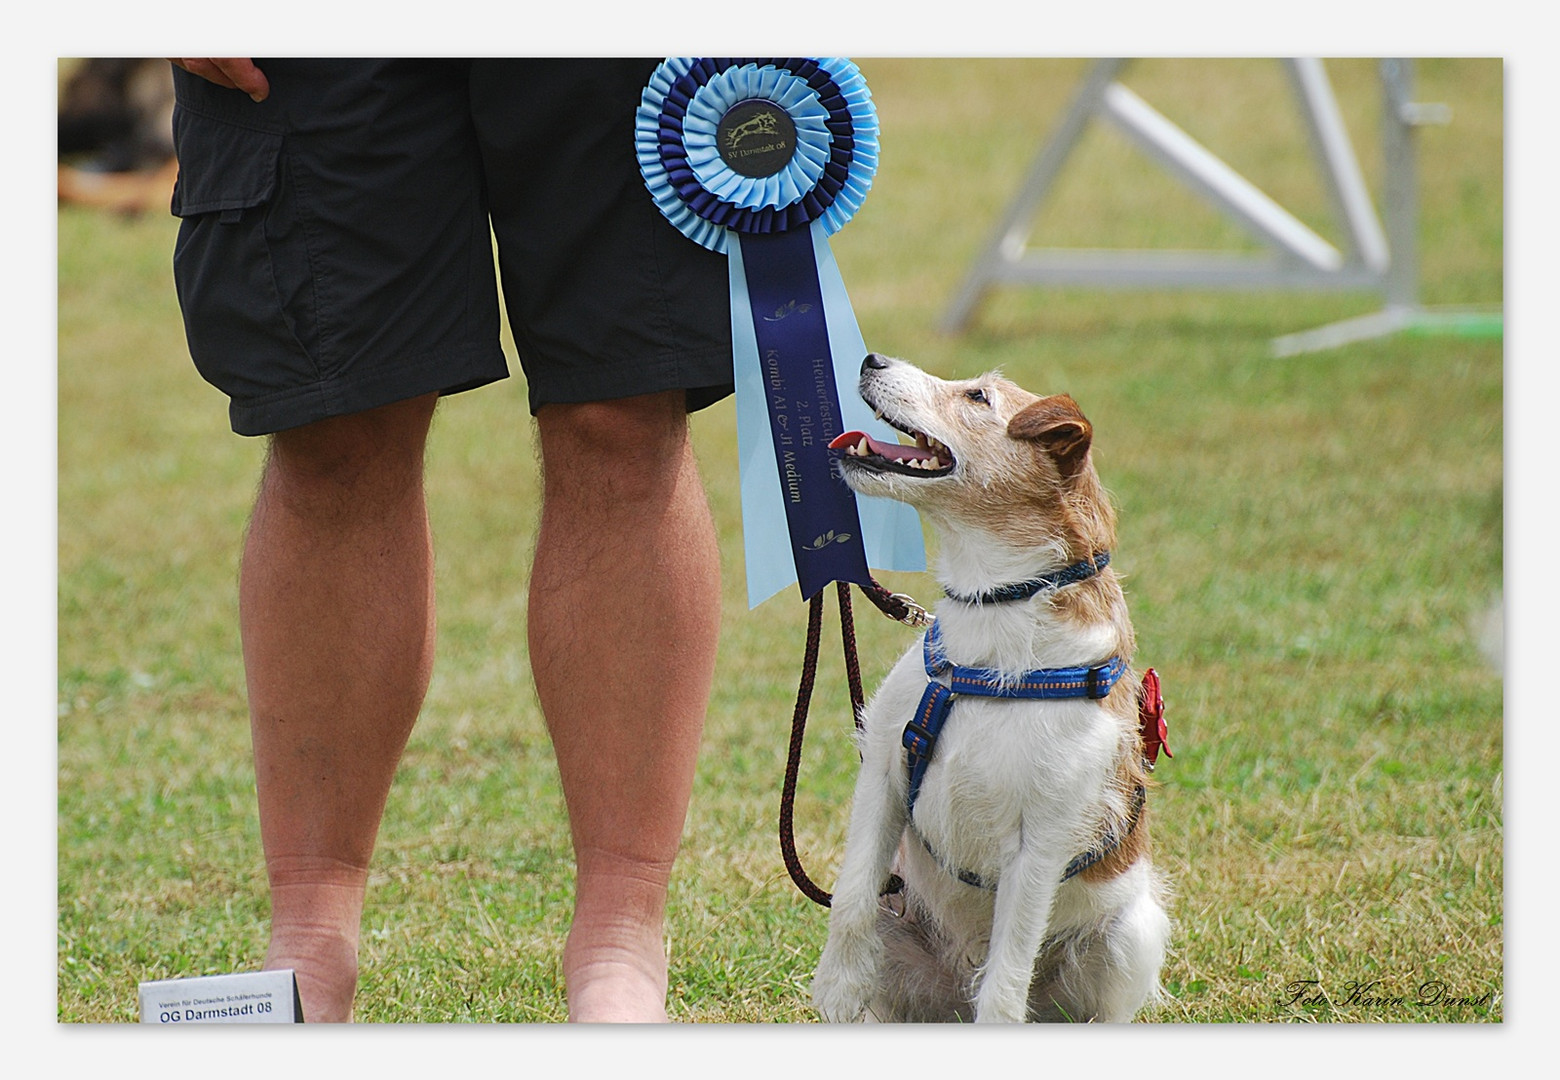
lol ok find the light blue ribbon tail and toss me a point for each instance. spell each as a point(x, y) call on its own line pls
point(766, 541)
point(891, 531)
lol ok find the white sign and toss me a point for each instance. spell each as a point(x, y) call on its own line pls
point(260, 997)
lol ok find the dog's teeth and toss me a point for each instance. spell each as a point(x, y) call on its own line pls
point(862, 449)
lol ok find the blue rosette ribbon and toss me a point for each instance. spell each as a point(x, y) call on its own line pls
point(763, 160)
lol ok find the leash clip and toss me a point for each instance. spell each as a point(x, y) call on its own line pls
point(914, 614)
point(897, 606)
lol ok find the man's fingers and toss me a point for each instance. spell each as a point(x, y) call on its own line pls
point(233, 73)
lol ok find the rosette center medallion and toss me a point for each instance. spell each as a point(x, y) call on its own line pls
point(756, 138)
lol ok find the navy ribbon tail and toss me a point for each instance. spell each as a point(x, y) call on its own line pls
point(804, 408)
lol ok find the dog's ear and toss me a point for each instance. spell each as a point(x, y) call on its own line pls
point(1057, 425)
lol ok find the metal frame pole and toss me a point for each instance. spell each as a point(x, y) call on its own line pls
point(1298, 258)
point(1401, 197)
point(1007, 242)
point(1383, 260)
point(1400, 115)
point(1367, 243)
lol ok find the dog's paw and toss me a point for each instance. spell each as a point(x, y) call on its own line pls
point(842, 985)
point(999, 1006)
point(836, 1001)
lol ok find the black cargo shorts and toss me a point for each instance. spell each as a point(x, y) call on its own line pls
point(336, 245)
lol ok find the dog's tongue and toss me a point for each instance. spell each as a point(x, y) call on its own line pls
point(850, 438)
point(892, 451)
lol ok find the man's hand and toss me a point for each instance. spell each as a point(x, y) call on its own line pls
point(235, 74)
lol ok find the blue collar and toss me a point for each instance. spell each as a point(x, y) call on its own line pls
point(1023, 590)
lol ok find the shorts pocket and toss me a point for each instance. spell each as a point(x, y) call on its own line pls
point(231, 168)
point(240, 268)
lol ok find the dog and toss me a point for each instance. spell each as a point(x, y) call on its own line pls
point(115, 143)
point(997, 868)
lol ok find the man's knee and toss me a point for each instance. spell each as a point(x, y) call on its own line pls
point(631, 444)
point(369, 455)
point(619, 423)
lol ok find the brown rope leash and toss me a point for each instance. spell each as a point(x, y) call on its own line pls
point(896, 606)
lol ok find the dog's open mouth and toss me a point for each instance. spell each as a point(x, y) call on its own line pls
point(927, 457)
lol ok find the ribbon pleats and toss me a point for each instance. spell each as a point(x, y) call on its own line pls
point(763, 160)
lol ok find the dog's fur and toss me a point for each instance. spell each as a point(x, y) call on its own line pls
point(1015, 788)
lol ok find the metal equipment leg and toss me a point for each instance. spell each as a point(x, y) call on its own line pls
point(1374, 259)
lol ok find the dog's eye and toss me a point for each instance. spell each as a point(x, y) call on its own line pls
point(977, 395)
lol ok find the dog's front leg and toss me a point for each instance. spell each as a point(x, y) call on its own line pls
point(1025, 893)
point(848, 969)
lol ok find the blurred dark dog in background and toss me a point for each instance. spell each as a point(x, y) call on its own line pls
point(116, 133)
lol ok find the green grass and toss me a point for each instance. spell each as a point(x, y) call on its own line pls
point(1310, 547)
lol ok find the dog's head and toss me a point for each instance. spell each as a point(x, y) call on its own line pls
point(987, 455)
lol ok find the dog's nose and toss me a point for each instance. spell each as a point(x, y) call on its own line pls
point(874, 362)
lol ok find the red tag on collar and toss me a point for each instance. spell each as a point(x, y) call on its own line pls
point(1151, 710)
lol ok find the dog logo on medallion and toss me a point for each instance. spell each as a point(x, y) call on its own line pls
point(756, 138)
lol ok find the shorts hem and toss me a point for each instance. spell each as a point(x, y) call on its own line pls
point(705, 375)
point(342, 396)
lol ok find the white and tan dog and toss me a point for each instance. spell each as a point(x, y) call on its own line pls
point(1027, 887)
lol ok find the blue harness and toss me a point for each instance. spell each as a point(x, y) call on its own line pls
point(1096, 681)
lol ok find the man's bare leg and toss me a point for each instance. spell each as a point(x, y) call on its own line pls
point(336, 610)
point(623, 624)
